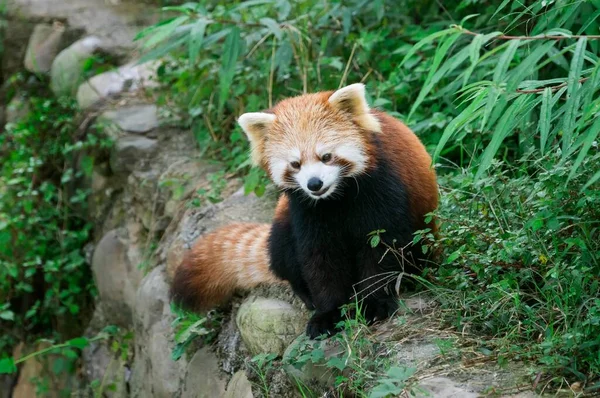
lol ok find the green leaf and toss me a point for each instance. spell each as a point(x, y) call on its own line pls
point(470, 113)
point(7, 315)
point(572, 94)
point(231, 51)
point(7, 366)
point(590, 137)
point(79, 342)
point(545, 117)
point(504, 62)
point(513, 115)
point(423, 42)
point(273, 27)
point(165, 31)
point(375, 240)
point(87, 165)
point(527, 67)
point(432, 76)
point(196, 39)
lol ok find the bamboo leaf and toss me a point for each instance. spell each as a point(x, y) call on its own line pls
point(432, 76)
point(572, 94)
point(273, 27)
point(504, 61)
point(165, 31)
point(470, 113)
point(511, 118)
point(590, 137)
point(196, 38)
point(545, 116)
point(527, 67)
point(423, 42)
point(588, 22)
point(231, 51)
point(492, 98)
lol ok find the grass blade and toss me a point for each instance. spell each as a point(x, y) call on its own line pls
point(592, 180)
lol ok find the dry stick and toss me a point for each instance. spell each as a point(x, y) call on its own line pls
point(553, 88)
point(345, 75)
point(538, 37)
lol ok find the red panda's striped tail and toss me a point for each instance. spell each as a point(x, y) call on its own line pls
point(221, 262)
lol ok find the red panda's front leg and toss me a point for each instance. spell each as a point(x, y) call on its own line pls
point(330, 289)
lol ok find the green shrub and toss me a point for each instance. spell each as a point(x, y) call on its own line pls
point(45, 282)
point(522, 260)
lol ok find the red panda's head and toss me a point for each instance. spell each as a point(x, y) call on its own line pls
point(313, 141)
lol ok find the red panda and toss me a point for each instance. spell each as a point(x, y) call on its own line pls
point(344, 171)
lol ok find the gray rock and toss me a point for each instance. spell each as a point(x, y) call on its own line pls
point(117, 277)
point(239, 386)
point(269, 325)
point(203, 378)
point(154, 373)
point(442, 387)
point(102, 365)
point(66, 73)
point(134, 118)
point(128, 78)
point(43, 46)
point(129, 150)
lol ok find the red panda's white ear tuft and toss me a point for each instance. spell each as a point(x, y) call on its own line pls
point(351, 99)
point(256, 125)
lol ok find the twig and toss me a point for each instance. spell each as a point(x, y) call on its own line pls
point(259, 25)
point(537, 37)
point(272, 73)
point(345, 75)
point(552, 88)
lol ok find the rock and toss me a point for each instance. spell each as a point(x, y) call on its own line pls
point(116, 276)
point(128, 78)
point(442, 387)
point(239, 386)
point(14, 36)
point(129, 150)
point(43, 46)
point(134, 118)
point(102, 365)
point(66, 73)
point(154, 373)
point(17, 109)
point(203, 378)
point(269, 325)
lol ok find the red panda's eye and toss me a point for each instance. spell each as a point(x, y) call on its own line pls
point(326, 158)
point(295, 165)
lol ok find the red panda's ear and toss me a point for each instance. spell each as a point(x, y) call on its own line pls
point(256, 125)
point(351, 99)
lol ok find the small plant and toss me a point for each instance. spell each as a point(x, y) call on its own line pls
point(188, 327)
point(261, 365)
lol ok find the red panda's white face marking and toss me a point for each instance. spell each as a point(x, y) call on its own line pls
point(313, 141)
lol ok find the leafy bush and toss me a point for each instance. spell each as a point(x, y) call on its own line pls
point(45, 282)
point(522, 259)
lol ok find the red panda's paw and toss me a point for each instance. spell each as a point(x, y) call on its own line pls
point(379, 309)
point(323, 323)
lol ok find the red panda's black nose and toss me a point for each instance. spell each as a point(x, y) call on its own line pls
point(314, 184)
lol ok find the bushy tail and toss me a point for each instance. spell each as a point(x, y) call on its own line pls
point(221, 262)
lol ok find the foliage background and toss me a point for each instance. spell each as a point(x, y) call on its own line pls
point(505, 96)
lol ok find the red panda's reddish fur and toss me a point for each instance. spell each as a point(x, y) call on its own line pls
point(221, 262)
